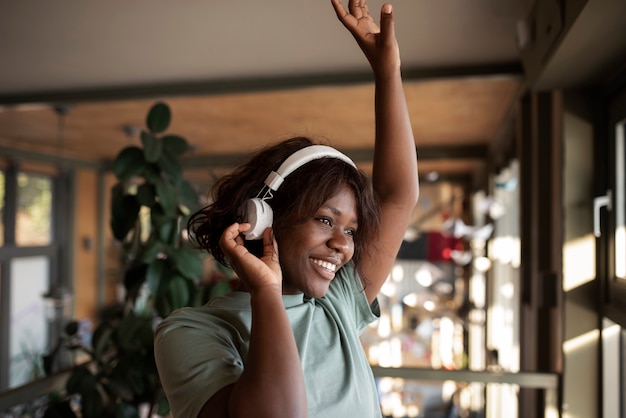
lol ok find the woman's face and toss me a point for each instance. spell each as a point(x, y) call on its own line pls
point(311, 253)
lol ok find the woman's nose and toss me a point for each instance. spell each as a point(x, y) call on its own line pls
point(339, 241)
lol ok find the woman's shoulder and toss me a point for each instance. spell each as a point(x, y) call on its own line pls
point(215, 312)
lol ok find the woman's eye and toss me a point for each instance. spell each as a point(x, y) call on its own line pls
point(325, 221)
point(351, 232)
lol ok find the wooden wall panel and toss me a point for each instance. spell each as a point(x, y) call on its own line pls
point(86, 243)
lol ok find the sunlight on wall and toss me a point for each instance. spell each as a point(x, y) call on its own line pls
point(581, 354)
point(579, 262)
point(581, 341)
point(611, 367)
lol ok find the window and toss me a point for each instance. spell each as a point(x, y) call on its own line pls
point(29, 267)
point(615, 227)
point(34, 209)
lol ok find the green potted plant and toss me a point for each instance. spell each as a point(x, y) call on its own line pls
point(150, 205)
point(149, 208)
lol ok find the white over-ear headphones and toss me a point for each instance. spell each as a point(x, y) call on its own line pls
point(257, 211)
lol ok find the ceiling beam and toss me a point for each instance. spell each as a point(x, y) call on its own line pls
point(228, 86)
point(364, 155)
point(18, 154)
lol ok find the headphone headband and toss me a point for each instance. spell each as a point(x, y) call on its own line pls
point(299, 158)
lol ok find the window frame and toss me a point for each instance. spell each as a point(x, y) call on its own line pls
point(9, 251)
point(614, 288)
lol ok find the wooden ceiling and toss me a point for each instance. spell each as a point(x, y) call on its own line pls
point(238, 75)
point(455, 120)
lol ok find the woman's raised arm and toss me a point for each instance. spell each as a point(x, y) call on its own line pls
point(394, 177)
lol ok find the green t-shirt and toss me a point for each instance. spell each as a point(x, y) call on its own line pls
point(201, 350)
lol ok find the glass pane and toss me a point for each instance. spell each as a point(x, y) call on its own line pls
point(29, 326)
point(34, 209)
point(500, 286)
point(414, 398)
point(408, 392)
point(2, 194)
point(408, 398)
point(417, 328)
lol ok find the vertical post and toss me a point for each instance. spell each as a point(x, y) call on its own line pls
point(540, 153)
point(10, 210)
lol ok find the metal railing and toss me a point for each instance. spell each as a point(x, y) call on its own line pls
point(548, 382)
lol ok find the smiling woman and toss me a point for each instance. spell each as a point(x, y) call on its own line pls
point(286, 343)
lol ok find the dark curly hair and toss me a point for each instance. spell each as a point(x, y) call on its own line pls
point(303, 192)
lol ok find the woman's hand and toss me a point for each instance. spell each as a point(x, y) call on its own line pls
point(378, 44)
point(254, 272)
point(272, 381)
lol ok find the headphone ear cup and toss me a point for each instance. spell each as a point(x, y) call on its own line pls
point(259, 215)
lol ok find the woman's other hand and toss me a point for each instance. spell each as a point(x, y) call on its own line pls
point(254, 272)
point(379, 44)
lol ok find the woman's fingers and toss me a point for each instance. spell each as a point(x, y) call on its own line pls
point(231, 240)
point(270, 248)
point(358, 8)
point(387, 30)
point(342, 13)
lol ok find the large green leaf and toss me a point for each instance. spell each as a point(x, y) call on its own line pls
point(152, 147)
point(134, 278)
point(174, 145)
point(179, 292)
point(168, 231)
point(124, 212)
point(146, 194)
point(171, 166)
point(188, 196)
point(162, 305)
point(156, 268)
point(158, 118)
point(101, 340)
point(152, 173)
point(168, 196)
point(151, 251)
point(128, 163)
point(187, 261)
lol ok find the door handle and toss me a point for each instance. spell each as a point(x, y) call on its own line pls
point(598, 203)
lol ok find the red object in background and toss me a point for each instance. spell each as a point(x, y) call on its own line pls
point(439, 246)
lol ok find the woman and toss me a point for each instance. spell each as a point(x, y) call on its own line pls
point(286, 344)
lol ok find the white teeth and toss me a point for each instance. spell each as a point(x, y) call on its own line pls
point(325, 264)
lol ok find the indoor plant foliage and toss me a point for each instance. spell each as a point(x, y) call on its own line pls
point(150, 205)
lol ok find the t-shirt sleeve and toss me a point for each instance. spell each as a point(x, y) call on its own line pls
point(192, 368)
